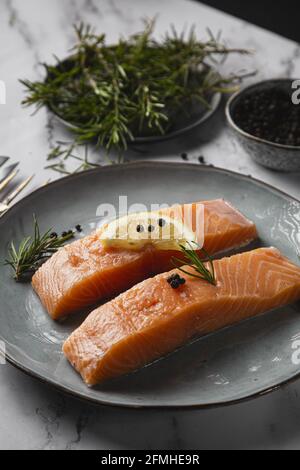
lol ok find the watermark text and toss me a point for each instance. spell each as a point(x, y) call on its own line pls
point(296, 353)
point(2, 92)
point(296, 93)
point(153, 222)
point(2, 353)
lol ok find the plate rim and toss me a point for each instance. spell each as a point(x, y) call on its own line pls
point(116, 404)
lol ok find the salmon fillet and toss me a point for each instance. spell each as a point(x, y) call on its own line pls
point(152, 319)
point(84, 272)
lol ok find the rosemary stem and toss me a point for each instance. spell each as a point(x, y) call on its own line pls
point(136, 87)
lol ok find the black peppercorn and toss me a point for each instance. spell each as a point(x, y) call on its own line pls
point(176, 281)
point(140, 229)
point(78, 228)
point(174, 284)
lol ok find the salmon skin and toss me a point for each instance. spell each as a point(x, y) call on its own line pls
point(84, 272)
point(152, 319)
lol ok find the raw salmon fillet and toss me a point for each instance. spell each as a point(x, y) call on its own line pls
point(152, 319)
point(84, 272)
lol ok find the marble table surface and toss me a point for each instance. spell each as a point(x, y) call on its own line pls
point(32, 416)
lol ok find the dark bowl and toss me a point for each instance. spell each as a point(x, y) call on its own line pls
point(191, 116)
point(269, 154)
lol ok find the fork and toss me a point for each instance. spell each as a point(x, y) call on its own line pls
point(6, 170)
point(4, 205)
point(3, 160)
point(8, 179)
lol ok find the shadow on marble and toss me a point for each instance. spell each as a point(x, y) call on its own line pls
point(61, 422)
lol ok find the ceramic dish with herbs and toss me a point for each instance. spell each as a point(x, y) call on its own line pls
point(137, 89)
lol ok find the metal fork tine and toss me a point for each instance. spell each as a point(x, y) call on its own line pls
point(18, 190)
point(45, 183)
point(8, 179)
point(6, 171)
point(3, 160)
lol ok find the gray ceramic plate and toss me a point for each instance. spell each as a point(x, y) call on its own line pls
point(235, 364)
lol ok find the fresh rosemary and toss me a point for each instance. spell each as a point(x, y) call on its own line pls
point(32, 252)
point(112, 93)
point(64, 151)
point(192, 259)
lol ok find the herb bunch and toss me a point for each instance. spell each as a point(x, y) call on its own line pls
point(113, 93)
point(33, 251)
point(192, 259)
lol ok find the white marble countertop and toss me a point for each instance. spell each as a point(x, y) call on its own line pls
point(33, 416)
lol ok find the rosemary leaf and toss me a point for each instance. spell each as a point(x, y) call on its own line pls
point(113, 93)
point(64, 151)
point(192, 259)
point(33, 251)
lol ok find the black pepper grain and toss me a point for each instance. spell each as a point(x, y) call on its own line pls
point(173, 277)
point(184, 156)
point(161, 223)
point(176, 281)
point(174, 284)
point(140, 229)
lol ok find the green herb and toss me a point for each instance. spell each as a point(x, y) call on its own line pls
point(34, 251)
point(64, 151)
point(192, 259)
point(112, 93)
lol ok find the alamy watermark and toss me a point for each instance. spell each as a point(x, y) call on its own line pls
point(2, 92)
point(296, 353)
point(296, 93)
point(151, 220)
point(2, 353)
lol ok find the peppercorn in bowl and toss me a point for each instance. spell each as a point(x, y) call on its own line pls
point(265, 117)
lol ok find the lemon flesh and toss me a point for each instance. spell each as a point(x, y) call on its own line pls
point(135, 231)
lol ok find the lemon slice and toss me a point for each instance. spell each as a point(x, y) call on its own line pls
point(135, 231)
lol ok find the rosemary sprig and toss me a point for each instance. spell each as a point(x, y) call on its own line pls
point(192, 259)
point(64, 151)
point(113, 93)
point(33, 251)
